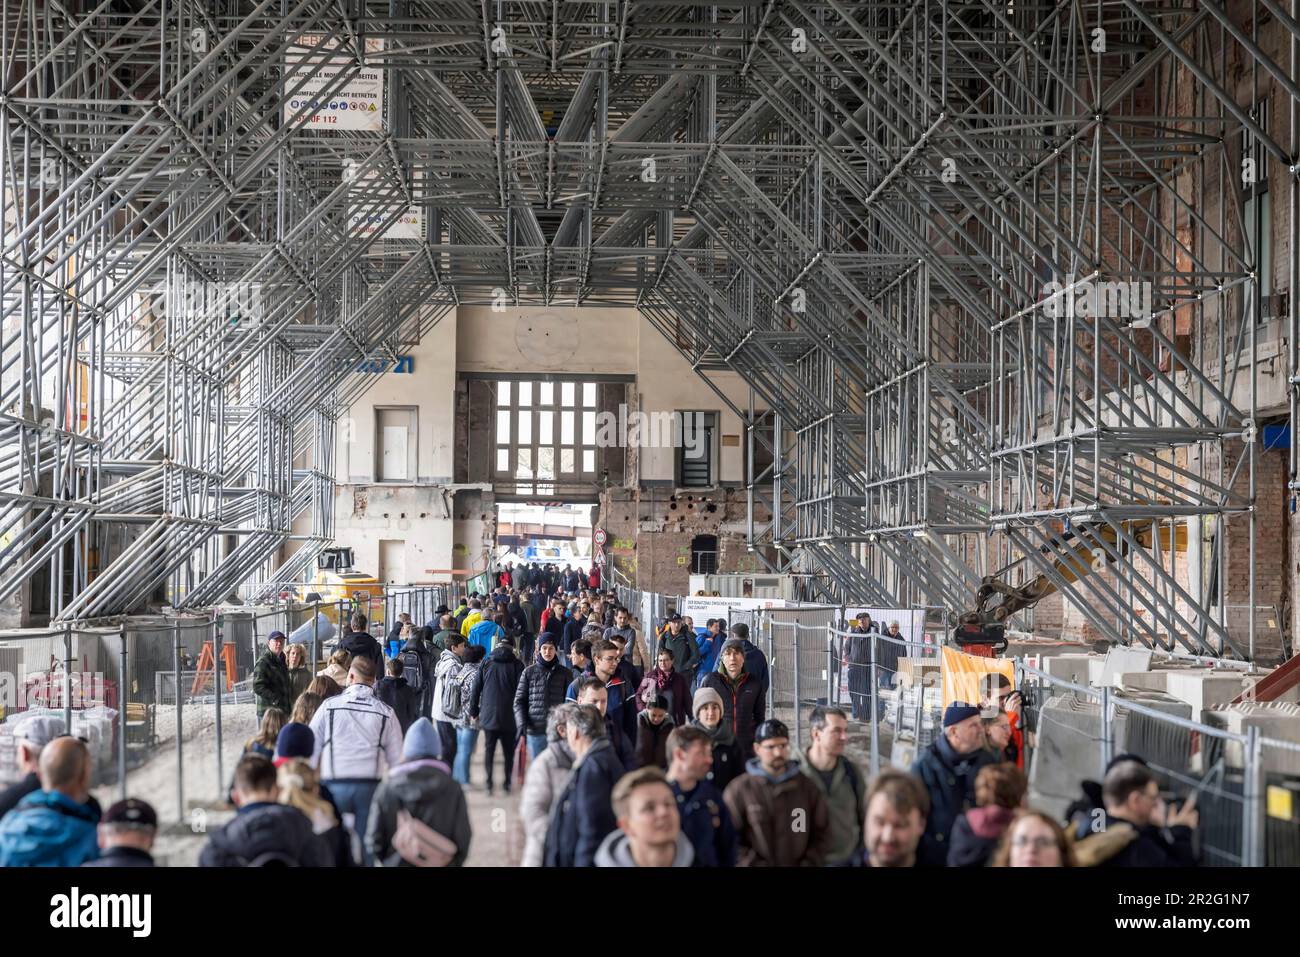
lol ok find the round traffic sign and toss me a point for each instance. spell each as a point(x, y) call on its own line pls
point(599, 536)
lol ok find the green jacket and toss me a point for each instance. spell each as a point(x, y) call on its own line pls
point(272, 684)
point(846, 806)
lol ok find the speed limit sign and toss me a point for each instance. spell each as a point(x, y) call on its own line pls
point(599, 536)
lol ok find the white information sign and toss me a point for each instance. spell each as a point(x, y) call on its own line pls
point(357, 104)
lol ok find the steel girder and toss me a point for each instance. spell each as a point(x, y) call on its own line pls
point(858, 207)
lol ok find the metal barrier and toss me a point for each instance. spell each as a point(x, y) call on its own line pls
point(1247, 785)
point(165, 704)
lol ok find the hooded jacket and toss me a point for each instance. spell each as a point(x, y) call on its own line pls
point(706, 822)
point(710, 646)
point(976, 834)
point(541, 687)
point(846, 806)
point(363, 643)
point(543, 784)
point(652, 741)
point(1122, 844)
point(763, 806)
point(493, 700)
point(728, 762)
point(743, 705)
point(276, 832)
point(616, 851)
point(357, 735)
point(448, 669)
point(425, 790)
point(950, 779)
point(532, 617)
point(49, 829)
point(583, 812)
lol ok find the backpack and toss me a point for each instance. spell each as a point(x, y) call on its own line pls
point(451, 695)
point(412, 668)
point(420, 845)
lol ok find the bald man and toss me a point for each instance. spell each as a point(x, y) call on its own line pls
point(56, 826)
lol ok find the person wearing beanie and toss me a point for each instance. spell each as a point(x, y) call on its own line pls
point(422, 787)
point(744, 705)
point(765, 800)
point(541, 688)
point(728, 760)
point(653, 725)
point(948, 768)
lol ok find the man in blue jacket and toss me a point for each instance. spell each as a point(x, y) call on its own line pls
point(709, 641)
point(584, 814)
point(621, 707)
point(948, 768)
point(54, 827)
point(705, 819)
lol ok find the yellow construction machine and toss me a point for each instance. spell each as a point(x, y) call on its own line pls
point(1087, 547)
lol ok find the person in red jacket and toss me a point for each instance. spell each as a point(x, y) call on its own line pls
point(999, 694)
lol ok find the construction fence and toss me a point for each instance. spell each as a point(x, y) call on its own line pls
point(1246, 784)
point(165, 704)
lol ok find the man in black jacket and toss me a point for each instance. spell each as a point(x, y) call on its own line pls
point(263, 832)
point(541, 687)
point(492, 705)
point(393, 690)
point(126, 835)
point(361, 643)
point(271, 682)
point(1139, 829)
point(584, 814)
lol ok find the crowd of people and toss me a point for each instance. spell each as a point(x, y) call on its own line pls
point(636, 749)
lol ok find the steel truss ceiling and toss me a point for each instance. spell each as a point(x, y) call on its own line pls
point(858, 207)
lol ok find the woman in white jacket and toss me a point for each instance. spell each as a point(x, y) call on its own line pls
point(544, 782)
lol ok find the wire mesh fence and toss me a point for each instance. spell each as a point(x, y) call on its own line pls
point(1245, 783)
point(164, 704)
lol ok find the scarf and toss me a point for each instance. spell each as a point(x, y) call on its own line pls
point(663, 679)
point(722, 735)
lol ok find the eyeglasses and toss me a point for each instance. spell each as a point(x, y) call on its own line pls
point(609, 659)
point(1037, 843)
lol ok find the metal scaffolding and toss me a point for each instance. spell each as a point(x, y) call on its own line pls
point(991, 270)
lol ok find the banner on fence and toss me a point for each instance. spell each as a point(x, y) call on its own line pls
point(963, 674)
point(701, 608)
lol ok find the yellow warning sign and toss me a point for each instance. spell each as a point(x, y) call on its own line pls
point(1281, 803)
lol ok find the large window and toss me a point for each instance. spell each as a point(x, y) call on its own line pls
point(545, 434)
point(695, 458)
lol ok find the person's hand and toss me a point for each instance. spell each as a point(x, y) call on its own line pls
point(1012, 702)
point(1187, 815)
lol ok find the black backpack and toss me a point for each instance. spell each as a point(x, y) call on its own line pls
point(412, 668)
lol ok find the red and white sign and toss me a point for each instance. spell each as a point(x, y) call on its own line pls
point(599, 536)
point(598, 557)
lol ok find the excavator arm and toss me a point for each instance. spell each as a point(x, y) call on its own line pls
point(1087, 548)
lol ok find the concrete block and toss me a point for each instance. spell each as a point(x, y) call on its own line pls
point(1119, 660)
point(1096, 667)
point(1204, 689)
point(1071, 667)
point(1146, 680)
